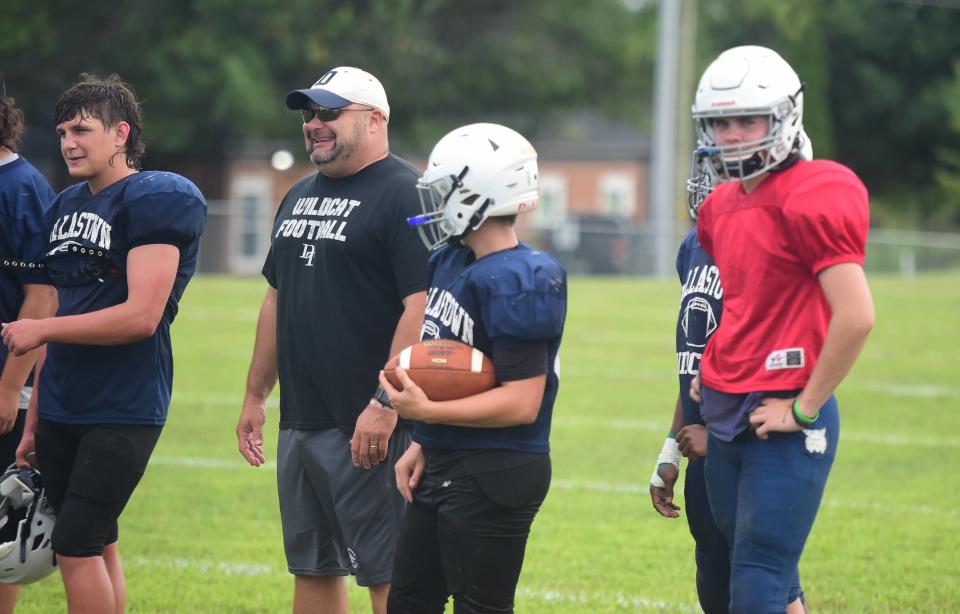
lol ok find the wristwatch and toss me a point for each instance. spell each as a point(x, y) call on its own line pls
point(380, 396)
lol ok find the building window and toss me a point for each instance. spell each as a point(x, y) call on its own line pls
point(249, 222)
point(251, 210)
point(552, 209)
point(617, 195)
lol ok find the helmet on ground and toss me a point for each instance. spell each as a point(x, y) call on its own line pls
point(749, 80)
point(29, 557)
point(475, 172)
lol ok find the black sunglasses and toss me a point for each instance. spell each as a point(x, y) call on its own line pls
point(324, 114)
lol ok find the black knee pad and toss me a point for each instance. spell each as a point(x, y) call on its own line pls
point(79, 534)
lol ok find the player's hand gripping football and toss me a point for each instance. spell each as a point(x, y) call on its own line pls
point(409, 470)
point(773, 416)
point(371, 436)
point(411, 402)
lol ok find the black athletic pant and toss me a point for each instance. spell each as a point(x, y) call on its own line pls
point(466, 537)
point(89, 472)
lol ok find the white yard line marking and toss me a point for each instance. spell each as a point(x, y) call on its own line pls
point(231, 400)
point(613, 488)
point(926, 391)
point(195, 462)
point(845, 436)
point(623, 600)
point(204, 314)
point(604, 487)
point(205, 567)
point(654, 426)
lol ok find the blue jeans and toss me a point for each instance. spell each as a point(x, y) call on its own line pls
point(765, 495)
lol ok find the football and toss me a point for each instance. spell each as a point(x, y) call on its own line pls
point(444, 369)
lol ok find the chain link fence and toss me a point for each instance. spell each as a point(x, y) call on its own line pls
point(238, 237)
point(598, 245)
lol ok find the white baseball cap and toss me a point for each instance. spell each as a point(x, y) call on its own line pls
point(341, 86)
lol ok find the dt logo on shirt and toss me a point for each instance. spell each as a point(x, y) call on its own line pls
point(789, 358)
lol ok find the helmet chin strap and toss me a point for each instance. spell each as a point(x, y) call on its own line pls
point(475, 220)
point(744, 167)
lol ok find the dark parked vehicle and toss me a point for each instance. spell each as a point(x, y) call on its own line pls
point(593, 244)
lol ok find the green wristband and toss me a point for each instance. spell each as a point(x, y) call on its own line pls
point(671, 435)
point(802, 418)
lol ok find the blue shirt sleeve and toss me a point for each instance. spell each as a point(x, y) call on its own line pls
point(173, 218)
point(26, 214)
point(527, 302)
point(681, 260)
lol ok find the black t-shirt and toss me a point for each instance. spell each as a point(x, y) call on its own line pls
point(342, 258)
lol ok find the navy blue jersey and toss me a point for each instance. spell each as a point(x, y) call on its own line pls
point(700, 310)
point(89, 237)
point(518, 294)
point(24, 197)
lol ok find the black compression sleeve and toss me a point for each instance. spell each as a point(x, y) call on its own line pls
point(515, 359)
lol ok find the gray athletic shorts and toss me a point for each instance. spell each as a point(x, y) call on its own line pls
point(338, 519)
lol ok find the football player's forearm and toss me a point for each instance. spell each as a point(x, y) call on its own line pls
point(16, 369)
point(851, 320)
point(511, 404)
point(677, 423)
point(151, 270)
point(39, 301)
point(844, 341)
point(31, 420)
point(118, 325)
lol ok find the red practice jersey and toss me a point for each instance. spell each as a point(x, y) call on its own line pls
point(769, 247)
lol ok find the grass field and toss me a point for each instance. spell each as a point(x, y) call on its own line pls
point(202, 532)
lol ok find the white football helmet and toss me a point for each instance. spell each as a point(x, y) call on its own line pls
point(29, 557)
point(475, 172)
point(750, 80)
point(806, 145)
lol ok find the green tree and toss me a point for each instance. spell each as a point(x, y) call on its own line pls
point(214, 72)
point(882, 90)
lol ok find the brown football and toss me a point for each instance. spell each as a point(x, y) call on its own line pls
point(444, 368)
